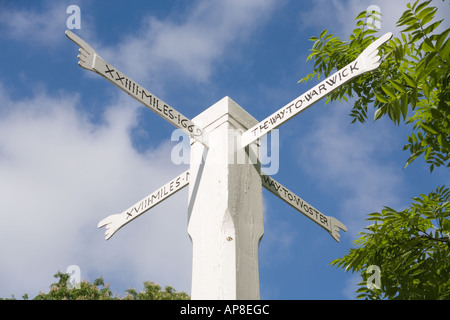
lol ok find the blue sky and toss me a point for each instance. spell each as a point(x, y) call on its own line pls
point(75, 149)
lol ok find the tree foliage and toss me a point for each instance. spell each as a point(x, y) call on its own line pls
point(411, 247)
point(411, 85)
point(98, 290)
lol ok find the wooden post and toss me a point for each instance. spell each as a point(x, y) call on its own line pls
point(225, 207)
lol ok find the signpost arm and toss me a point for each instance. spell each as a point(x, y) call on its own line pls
point(90, 60)
point(332, 225)
point(368, 60)
point(116, 221)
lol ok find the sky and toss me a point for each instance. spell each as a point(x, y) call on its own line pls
point(75, 149)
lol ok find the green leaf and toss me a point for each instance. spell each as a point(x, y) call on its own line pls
point(428, 128)
point(375, 216)
point(441, 38)
point(412, 157)
point(432, 26)
point(405, 16)
point(445, 49)
point(427, 46)
point(422, 5)
point(378, 114)
point(409, 80)
point(426, 89)
point(361, 15)
point(415, 26)
point(381, 98)
point(425, 12)
point(389, 92)
point(410, 20)
point(404, 105)
point(398, 86)
point(427, 18)
point(427, 153)
point(443, 141)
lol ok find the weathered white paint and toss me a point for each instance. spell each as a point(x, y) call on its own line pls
point(90, 60)
point(116, 221)
point(332, 225)
point(368, 60)
point(225, 208)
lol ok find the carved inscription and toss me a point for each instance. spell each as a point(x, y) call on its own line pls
point(302, 102)
point(148, 99)
point(309, 97)
point(154, 198)
point(90, 60)
point(116, 221)
point(293, 200)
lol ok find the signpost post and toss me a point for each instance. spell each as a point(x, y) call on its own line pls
point(225, 212)
point(225, 209)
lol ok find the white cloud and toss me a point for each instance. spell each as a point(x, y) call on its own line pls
point(210, 32)
point(61, 174)
point(45, 26)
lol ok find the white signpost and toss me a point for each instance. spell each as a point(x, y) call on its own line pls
point(225, 213)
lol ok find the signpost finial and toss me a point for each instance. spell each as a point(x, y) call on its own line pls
point(87, 54)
